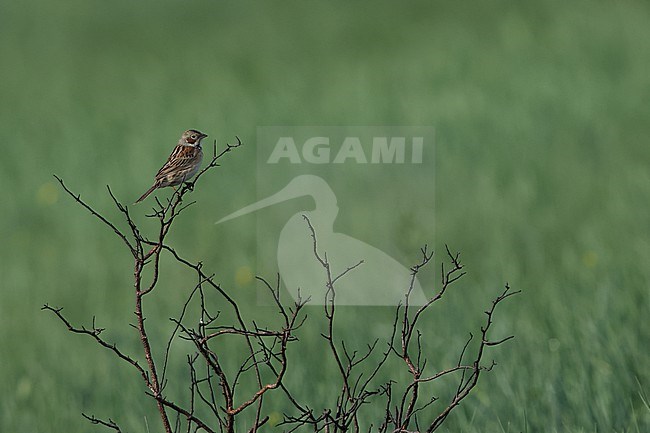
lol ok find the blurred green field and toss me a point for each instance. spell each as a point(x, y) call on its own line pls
point(542, 117)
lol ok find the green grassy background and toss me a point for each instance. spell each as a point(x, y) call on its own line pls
point(542, 179)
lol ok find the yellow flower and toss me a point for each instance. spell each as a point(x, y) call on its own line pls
point(590, 259)
point(47, 194)
point(243, 276)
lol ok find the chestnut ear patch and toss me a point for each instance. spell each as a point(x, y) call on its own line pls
point(191, 140)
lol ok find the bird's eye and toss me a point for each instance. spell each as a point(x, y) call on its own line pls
point(194, 136)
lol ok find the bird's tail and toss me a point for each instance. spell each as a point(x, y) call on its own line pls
point(146, 194)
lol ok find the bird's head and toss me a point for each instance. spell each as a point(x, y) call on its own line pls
point(192, 137)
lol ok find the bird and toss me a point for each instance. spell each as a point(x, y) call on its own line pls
point(182, 164)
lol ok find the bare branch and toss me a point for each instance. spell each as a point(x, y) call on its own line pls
point(118, 232)
point(110, 423)
point(95, 334)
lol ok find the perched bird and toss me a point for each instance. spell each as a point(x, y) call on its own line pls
point(182, 164)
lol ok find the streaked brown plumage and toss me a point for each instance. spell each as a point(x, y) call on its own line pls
point(182, 164)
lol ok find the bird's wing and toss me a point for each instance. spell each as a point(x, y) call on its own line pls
point(181, 159)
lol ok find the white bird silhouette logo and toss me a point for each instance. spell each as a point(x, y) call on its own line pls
point(380, 280)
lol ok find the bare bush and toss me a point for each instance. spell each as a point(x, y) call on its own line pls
point(214, 403)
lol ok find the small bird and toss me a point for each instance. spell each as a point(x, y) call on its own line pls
point(182, 164)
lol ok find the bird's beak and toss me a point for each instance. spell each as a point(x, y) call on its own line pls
point(203, 135)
